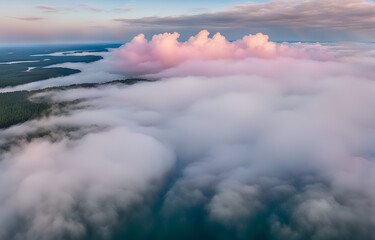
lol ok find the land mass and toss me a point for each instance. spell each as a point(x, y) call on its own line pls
point(21, 65)
point(16, 107)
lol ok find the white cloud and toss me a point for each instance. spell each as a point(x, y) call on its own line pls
point(283, 148)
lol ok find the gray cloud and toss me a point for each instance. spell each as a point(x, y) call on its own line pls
point(198, 9)
point(123, 9)
point(329, 19)
point(29, 18)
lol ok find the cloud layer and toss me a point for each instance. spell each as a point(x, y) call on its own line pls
point(255, 144)
point(164, 51)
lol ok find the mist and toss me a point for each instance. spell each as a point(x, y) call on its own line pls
point(240, 143)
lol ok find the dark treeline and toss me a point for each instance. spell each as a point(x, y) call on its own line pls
point(10, 76)
point(15, 107)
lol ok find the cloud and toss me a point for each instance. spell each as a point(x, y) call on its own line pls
point(277, 146)
point(48, 187)
point(327, 19)
point(307, 20)
point(123, 9)
point(198, 9)
point(44, 7)
point(164, 51)
point(51, 9)
point(91, 8)
point(29, 18)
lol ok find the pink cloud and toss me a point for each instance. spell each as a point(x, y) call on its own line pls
point(44, 7)
point(91, 8)
point(164, 51)
point(51, 9)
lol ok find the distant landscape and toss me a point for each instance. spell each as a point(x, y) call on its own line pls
point(21, 65)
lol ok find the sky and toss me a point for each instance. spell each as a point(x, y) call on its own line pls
point(237, 135)
point(32, 21)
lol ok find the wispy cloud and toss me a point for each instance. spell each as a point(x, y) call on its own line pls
point(88, 7)
point(29, 18)
point(50, 8)
point(199, 9)
point(123, 9)
point(47, 8)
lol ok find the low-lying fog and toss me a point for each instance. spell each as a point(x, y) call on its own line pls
point(235, 140)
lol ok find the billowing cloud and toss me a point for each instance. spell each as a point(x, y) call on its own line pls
point(254, 145)
point(47, 187)
point(164, 51)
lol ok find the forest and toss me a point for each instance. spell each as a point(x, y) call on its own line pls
point(15, 107)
